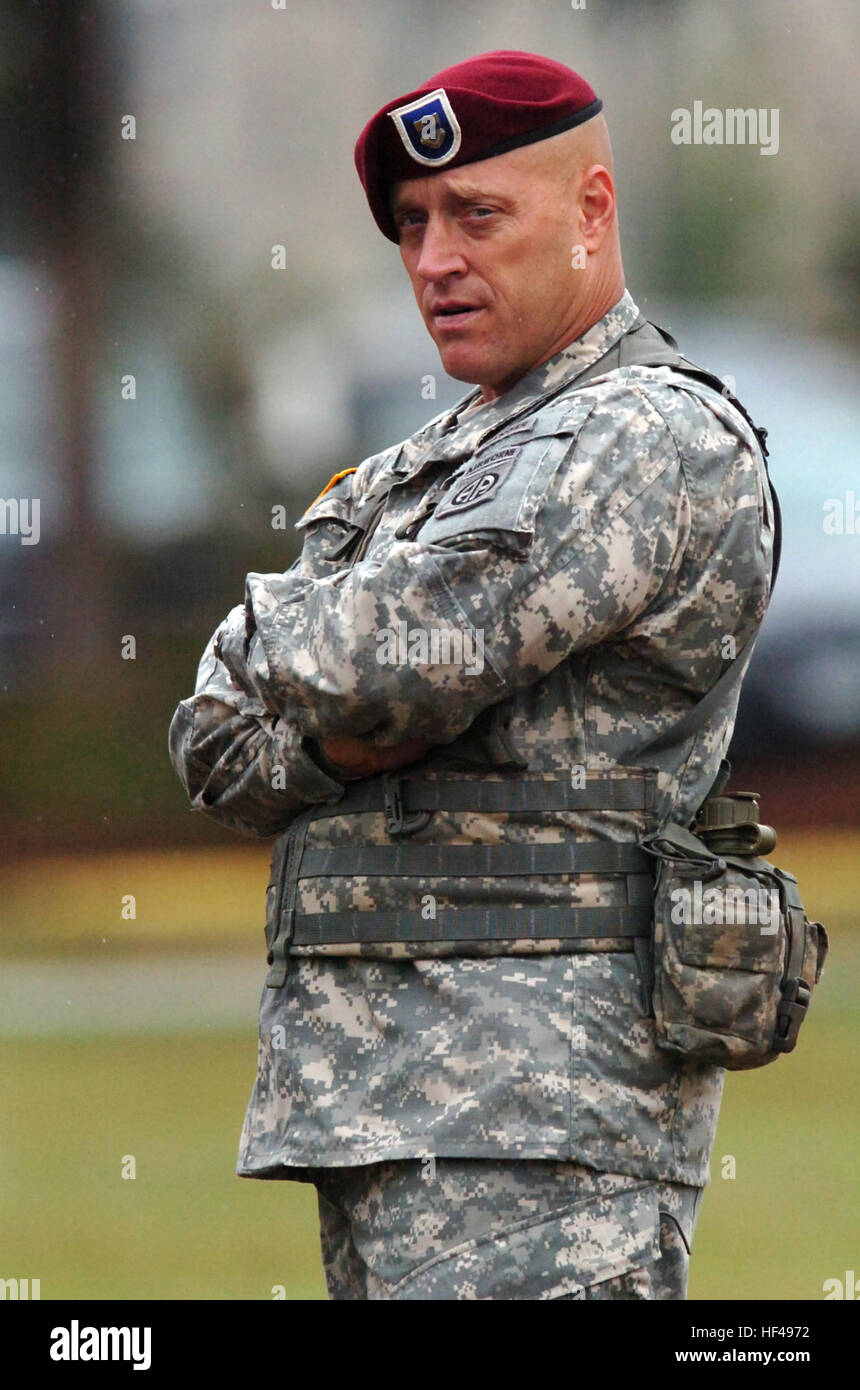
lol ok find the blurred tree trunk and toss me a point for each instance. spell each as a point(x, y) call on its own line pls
point(68, 123)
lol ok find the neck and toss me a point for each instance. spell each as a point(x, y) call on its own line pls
point(603, 295)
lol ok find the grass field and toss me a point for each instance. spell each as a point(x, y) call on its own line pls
point(185, 1226)
point(73, 1107)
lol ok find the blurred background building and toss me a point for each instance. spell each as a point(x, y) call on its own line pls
point(163, 387)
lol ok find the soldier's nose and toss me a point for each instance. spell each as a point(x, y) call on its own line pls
point(440, 254)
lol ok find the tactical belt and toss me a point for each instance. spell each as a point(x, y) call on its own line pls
point(471, 924)
point(474, 861)
point(408, 804)
point(401, 796)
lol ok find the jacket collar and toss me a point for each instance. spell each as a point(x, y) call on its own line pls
point(448, 438)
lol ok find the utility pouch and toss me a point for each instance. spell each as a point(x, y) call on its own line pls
point(735, 958)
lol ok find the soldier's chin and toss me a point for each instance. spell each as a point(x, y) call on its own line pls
point(462, 365)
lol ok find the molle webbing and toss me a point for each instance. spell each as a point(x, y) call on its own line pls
point(512, 796)
point(476, 924)
point(474, 861)
point(408, 804)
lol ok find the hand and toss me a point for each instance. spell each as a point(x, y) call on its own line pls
point(355, 758)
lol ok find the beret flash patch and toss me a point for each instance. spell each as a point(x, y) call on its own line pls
point(428, 128)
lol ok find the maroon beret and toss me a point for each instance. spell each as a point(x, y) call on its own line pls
point(473, 110)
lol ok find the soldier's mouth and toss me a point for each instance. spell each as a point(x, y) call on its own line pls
point(455, 315)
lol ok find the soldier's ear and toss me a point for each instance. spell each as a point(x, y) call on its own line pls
point(597, 206)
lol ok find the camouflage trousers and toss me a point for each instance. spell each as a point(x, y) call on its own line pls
point(502, 1229)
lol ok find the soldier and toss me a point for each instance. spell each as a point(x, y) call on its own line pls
point(483, 682)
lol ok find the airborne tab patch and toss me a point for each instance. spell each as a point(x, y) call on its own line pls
point(479, 483)
point(428, 128)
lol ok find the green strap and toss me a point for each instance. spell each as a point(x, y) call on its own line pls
point(676, 842)
point(436, 862)
point(515, 794)
point(473, 924)
point(277, 955)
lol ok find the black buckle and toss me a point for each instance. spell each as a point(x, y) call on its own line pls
point(397, 820)
point(343, 549)
point(791, 1013)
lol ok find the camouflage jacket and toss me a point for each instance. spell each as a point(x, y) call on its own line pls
point(591, 558)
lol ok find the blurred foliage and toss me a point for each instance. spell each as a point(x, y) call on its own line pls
point(91, 767)
point(87, 760)
point(718, 215)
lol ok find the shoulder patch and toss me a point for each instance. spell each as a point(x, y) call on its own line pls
point(329, 485)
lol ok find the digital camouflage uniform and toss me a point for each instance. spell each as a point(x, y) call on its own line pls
point(607, 550)
point(526, 1229)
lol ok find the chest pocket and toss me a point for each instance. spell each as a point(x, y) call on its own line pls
point(497, 493)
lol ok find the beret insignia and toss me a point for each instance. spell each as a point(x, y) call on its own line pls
point(428, 128)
